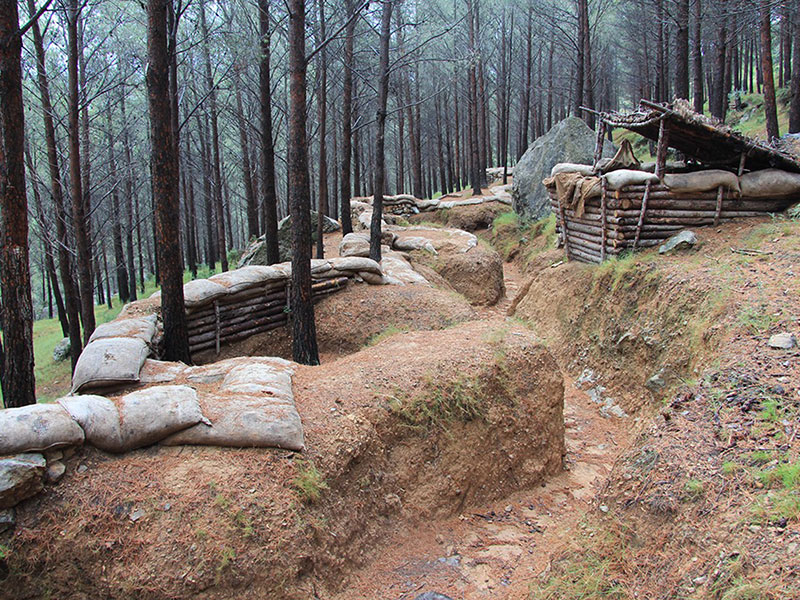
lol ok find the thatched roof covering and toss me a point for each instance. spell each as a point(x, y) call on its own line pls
point(707, 140)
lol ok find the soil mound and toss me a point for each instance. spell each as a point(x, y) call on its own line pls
point(348, 320)
point(421, 425)
point(468, 218)
point(477, 274)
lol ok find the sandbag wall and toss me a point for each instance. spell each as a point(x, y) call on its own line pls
point(637, 218)
point(253, 310)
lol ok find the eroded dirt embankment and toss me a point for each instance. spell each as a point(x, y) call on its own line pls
point(418, 427)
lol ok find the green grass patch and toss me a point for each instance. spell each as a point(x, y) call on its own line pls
point(309, 482)
point(390, 331)
point(755, 320)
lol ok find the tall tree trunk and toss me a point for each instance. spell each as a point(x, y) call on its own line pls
point(165, 185)
point(347, 119)
point(116, 230)
point(475, 175)
point(79, 216)
point(794, 109)
point(16, 376)
point(579, 62)
point(697, 59)
point(130, 218)
point(269, 194)
point(526, 94)
point(716, 91)
point(770, 105)
point(380, 138)
point(322, 116)
point(215, 158)
point(247, 175)
point(304, 331)
point(682, 50)
point(65, 264)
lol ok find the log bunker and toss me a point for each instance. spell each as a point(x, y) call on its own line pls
point(617, 205)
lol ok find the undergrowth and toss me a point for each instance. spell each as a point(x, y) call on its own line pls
point(309, 482)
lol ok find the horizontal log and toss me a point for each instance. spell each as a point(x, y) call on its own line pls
point(234, 319)
point(584, 256)
point(225, 332)
point(688, 214)
point(235, 311)
point(205, 346)
point(694, 205)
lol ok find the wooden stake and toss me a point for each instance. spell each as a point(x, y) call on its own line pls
point(719, 205)
point(603, 217)
point(645, 197)
point(661, 149)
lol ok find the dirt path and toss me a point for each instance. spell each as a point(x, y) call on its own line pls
point(496, 550)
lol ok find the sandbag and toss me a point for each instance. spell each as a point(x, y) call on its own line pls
point(618, 179)
point(137, 419)
point(769, 183)
point(36, 428)
point(701, 181)
point(584, 170)
point(414, 243)
point(372, 278)
point(245, 422)
point(397, 268)
point(251, 379)
point(245, 278)
point(355, 263)
point(457, 203)
point(143, 328)
point(202, 291)
point(428, 204)
point(109, 362)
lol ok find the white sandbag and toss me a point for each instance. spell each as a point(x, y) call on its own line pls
point(584, 170)
point(769, 183)
point(255, 378)
point(36, 428)
point(320, 265)
point(622, 177)
point(109, 362)
point(245, 422)
point(245, 278)
point(355, 264)
point(372, 278)
point(137, 419)
point(202, 291)
point(143, 328)
point(428, 204)
point(400, 270)
point(457, 203)
point(701, 181)
point(414, 243)
point(159, 371)
point(99, 419)
point(330, 274)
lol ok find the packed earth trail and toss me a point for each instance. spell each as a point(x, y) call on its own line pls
point(498, 549)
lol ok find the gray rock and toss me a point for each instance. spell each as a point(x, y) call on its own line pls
point(432, 596)
point(656, 383)
point(680, 241)
point(256, 252)
point(20, 478)
point(8, 519)
point(570, 140)
point(55, 471)
point(61, 351)
point(783, 341)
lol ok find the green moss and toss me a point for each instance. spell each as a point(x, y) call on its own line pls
point(309, 482)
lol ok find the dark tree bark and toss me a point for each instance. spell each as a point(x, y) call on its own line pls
point(716, 91)
point(322, 116)
point(130, 220)
point(794, 109)
point(770, 106)
point(79, 216)
point(380, 138)
point(215, 158)
point(304, 331)
point(165, 185)
point(526, 94)
point(65, 264)
point(682, 50)
point(475, 175)
point(116, 229)
point(697, 59)
point(18, 385)
point(269, 194)
point(247, 176)
point(347, 122)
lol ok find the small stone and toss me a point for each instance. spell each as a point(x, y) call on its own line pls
point(783, 341)
point(754, 528)
point(432, 596)
point(509, 508)
point(603, 508)
point(82, 468)
point(167, 506)
point(20, 478)
point(61, 351)
point(700, 580)
point(8, 519)
point(656, 383)
point(680, 241)
point(55, 471)
point(51, 455)
point(136, 515)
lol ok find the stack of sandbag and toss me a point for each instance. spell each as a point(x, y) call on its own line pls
point(629, 208)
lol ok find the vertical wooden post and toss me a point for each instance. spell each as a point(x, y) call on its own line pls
point(216, 326)
point(719, 206)
point(603, 219)
point(639, 225)
point(742, 160)
point(598, 147)
point(661, 149)
point(563, 214)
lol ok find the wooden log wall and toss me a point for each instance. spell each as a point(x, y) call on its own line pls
point(254, 310)
point(606, 229)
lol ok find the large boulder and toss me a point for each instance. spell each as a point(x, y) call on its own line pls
point(570, 141)
point(21, 477)
point(256, 252)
